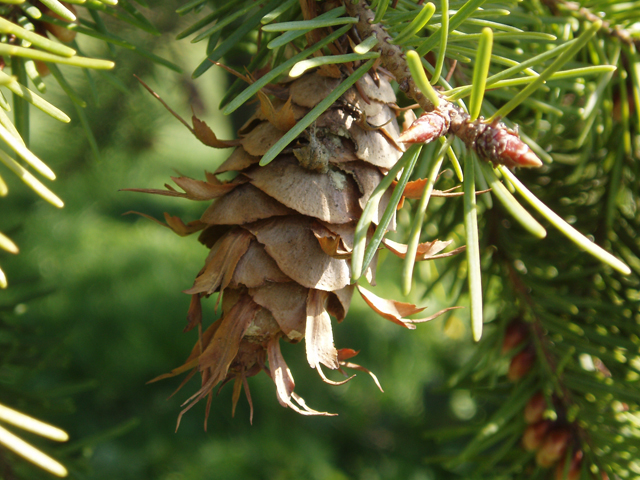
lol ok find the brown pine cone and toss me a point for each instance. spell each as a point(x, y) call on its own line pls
point(281, 235)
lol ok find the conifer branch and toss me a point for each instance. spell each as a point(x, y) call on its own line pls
point(493, 141)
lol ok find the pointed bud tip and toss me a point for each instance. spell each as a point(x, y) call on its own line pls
point(529, 160)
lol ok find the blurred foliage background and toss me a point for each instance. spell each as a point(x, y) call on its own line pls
point(96, 302)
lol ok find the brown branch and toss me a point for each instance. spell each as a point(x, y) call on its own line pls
point(392, 56)
point(584, 13)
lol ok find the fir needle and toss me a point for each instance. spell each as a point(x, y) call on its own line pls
point(418, 218)
point(570, 232)
point(473, 247)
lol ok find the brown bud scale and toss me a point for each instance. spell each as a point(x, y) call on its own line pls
point(521, 364)
point(515, 333)
point(427, 128)
point(534, 435)
point(535, 408)
point(553, 447)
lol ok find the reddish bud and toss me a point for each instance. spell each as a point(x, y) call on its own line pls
point(535, 408)
point(515, 333)
point(428, 127)
point(504, 146)
point(553, 447)
point(42, 68)
point(61, 33)
point(574, 469)
point(534, 435)
point(521, 364)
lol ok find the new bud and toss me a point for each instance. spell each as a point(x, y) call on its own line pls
point(515, 333)
point(534, 435)
point(553, 447)
point(63, 34)
point(428, 127)
point(535, 408)
point(504, 146)
point(574, 469)
point(521, 364)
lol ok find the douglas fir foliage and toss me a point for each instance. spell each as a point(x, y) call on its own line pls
point(322, 167)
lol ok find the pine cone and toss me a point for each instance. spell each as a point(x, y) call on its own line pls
point(281, 235)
